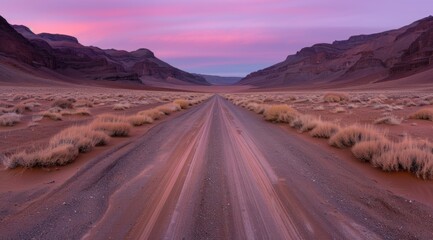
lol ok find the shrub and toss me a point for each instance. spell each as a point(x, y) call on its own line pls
point(339, 110)
point(10, 119)
point(138, 120)
point(52, 115)
point(169, 108)
point(280, 113)
point(324, 129)
point(84, 138)
point(257, 107)
point(182, 103)
point(63, 103)
point(335, 97)
point(154, 113)
point(113, 125)
point(408, 156)
point(121, 106)
point(366, 150)
point(349, 136)
point(390, 120)
point(304, 123)
point(51, 156)
point(424, 113)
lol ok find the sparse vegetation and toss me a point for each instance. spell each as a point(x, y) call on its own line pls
point(349, 136)
point(424, 113)
point(335, 97)
point(390, 120)
point(10, 119)
point(280, 113)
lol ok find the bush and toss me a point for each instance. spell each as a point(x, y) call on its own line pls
point(84, 138)
point(365, 151)
point(10, 119)
point(121, 106)
point(52, 115)
point(138, 120)
point(63, 103)
point(335, 97)
point(182, 103)
point(51, 156)
point(349, 136)
point(424, 113)
point(390, 120)
point(280, 113)
point(169, 108)
point(154, 113)
point(113, 125)
point(324, 129)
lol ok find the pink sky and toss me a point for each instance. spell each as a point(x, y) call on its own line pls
point(223, 37)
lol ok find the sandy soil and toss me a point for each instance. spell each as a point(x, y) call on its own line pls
point(218, 171)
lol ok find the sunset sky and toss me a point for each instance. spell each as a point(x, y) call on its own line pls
point(223, 37)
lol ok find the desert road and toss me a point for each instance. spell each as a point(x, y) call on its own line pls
point(216, 171)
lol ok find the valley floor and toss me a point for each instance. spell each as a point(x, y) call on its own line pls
point(218, 171)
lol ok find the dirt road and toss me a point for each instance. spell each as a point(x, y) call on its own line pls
point(215, 172)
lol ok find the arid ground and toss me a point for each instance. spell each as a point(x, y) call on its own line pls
point(213, 170)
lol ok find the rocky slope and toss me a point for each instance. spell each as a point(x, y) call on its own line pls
point(62, 54)
point(362, 59)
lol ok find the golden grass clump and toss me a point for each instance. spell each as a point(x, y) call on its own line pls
point(280, 113)
point(335, 97)
point(50, 156)
point(52, 115)
point(390, 120)
point(257, 107)
point(63, 103)
point(153, 113)
point(324, 129)
point(366, 150)
point(424, 113)
point(121, 106)
point(10, 119)
point(169, 108)
point(84, 138)
point(415, 156)
point(113, 125)
point(183, 103)
point(349, 136)
point(138, 120)
point(304, 123)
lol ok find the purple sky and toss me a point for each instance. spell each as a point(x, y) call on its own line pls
point(223, 37)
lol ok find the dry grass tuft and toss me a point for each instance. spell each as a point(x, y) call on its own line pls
point(324, 129)
point(63, 103)
point(52, 115)
point(154, 113)
point(169, 108)
point(424, 113)
point(280, 113)
point(84, 138)
point(390, 120)
point(409, 155)
point(113, 125)
point(51, 156)
point(121, 106)
point(349, 136)
point(138, 120)
point(335, 97)
point(366, 150)
point(183, 103)
point(10, 119)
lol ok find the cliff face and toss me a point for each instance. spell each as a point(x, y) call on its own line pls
point(376, 57)
point(65, 55)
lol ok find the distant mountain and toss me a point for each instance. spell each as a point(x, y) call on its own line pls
point(63, 55)
point(218, 80)
point(362, 59)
